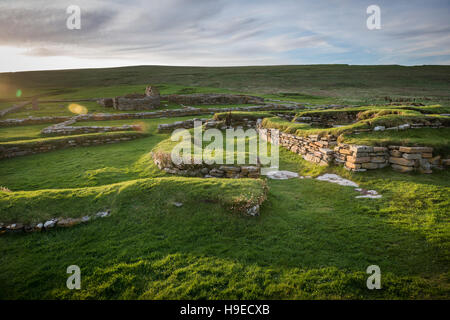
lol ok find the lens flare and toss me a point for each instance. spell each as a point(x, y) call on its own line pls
point(77, 108)
point(140, 126)
point(18, 93)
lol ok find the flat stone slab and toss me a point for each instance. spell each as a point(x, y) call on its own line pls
point(282, 175)
point(334, 178)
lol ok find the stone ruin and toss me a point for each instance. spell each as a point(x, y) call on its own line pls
point(134, 101)
point(152, 99)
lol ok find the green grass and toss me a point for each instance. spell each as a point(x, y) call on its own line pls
point(313, 239)
point(87, 166)
point(21, 133)
point(230, 148)
point(368, 118)
point(352, 84)
point(42, 205)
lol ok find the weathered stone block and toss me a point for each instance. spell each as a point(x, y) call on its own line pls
point(412, 156)
point(401, 168)
point(378, 159)
point(395, 153)
point(345, 151)
point(415, 149)
point(359, 149)
point(401, 161)
point(369, 165)
point(352, 165)
point(358, 159)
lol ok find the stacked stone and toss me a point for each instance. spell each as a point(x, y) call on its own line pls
point(313, 148)
point(164, 162)
point(361, 158)
point(136, 103)
point(32, 120)
point(66, 128)
point(407, 159)
point(50, 224)
point(106, 102)
point(209, 123)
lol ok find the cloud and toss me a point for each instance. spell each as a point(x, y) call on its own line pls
point(227, 32)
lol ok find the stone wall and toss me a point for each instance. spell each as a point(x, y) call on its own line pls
point(164, 162)
point(13, 149)
point(325, 150)
point(66, 128)
point(211, 98)
point(187, 124)
point(106, 102)
point(361, 158)
point(400, 158)
point(407, 159)
point(312, 148)
point(209, 123)
point(32, 121)
point(136, 103)
point(51, 223)
point(14, 108)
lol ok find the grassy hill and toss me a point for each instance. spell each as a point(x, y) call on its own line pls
point(304, 82)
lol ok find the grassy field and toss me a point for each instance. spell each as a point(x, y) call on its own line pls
point(308, 83)
point(312, 240)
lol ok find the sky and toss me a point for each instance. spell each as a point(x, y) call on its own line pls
point(34, 33)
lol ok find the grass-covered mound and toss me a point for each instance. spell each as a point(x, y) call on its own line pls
point(62, 140)
point(305, 129)
point(40, 205)
point(251, 143)
point(364, 118)
point(312, 240)
point(403, 109)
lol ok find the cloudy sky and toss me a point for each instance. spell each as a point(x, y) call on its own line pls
point(34, 34)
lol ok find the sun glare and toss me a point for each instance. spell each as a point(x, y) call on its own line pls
point(77, 109)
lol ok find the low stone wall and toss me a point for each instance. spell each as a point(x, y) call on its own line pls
point(11, 149)
point(342, 118)
point(65, 128)
point(136, 103)
point(142, 115)
point(361, 158)
point(208, 123)
point(325, 151)
point(14, 108)
point(187, 124)
point(164, 162)
point(106, 102)
point(211, 98)
point(32, 121)
point(406, 159)
point(50, 224)
point(312, 148)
